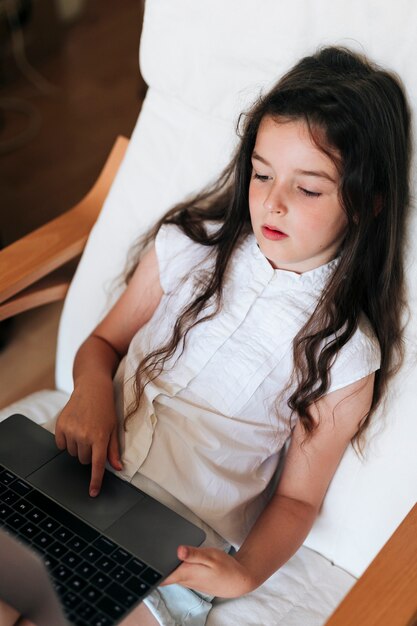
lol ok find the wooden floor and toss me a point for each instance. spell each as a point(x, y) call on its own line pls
point(98, 94)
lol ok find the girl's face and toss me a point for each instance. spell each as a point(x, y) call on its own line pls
point(295, 211)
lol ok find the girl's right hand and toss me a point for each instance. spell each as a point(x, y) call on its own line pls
point(88, 428)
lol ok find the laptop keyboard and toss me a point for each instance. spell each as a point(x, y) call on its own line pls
point(97, 580)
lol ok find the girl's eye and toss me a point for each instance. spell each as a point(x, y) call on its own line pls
point(260, 177)
point(309, 194)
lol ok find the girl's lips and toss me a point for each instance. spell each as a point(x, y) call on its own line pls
point(271, 233)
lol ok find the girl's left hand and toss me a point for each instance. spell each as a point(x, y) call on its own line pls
point(211, 571)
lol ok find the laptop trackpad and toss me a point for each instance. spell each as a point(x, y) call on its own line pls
point(154, 532)
point(65, 480)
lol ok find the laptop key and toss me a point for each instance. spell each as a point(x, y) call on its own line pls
point(135, 566)
point(15, 521)
point(91, 554)
point(7, 477)
point(70, 600)
point(21, 506)
point(21, 487)
point(27, 540)
point(121, 556)
point(77, 544)
point(137, 585)
point(59, 587)
point(106, 564)
point(85, 569)
point(43, 540)
point(151, 576)
point(120, 575)
point(57, 549)
point(101, 620)
point(76, 582)
point(30, 530)
point(104, 545)
point(100, 580)
point(9, 497)
point(35, 515)
point(5, 511)
point(61, 573)
point(71, 559)
point(86, 611)
point(49, 525)
point(49, 561)
point(121, 595)
point(111, 607)
point(63, 534)
point(91, 594)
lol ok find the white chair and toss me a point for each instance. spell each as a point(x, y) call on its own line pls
point(204, 63)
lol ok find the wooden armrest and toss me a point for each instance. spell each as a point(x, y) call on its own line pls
point(386, 594)
point(52, 288)
point(30, 259)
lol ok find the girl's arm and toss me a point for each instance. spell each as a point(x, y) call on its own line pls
point(286, 521)
point(87, 426)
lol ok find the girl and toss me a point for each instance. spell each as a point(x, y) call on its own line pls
point(267, 306)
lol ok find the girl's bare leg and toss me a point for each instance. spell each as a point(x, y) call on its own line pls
point(8, 615)
point(141, 616)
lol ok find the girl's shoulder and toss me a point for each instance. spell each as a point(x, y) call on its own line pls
point(178, 255)
point(358, 358)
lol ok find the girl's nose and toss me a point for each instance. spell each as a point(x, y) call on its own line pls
point(274, 201)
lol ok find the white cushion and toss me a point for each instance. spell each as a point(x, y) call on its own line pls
point(40, 406)
point(214, 56)
point(304, 592)
point(204, 62)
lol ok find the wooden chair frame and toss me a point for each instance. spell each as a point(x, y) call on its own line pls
point(34, 271)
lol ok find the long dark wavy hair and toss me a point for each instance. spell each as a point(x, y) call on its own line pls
point(358, 110)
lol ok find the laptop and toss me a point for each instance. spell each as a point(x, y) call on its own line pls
point(104, 554)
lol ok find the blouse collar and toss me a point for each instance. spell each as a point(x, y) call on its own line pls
point(285, 279)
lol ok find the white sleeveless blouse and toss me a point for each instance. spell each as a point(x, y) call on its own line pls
point(209, 429)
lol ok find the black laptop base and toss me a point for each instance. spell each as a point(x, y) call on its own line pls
point(104, 554)
point(97, 581)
